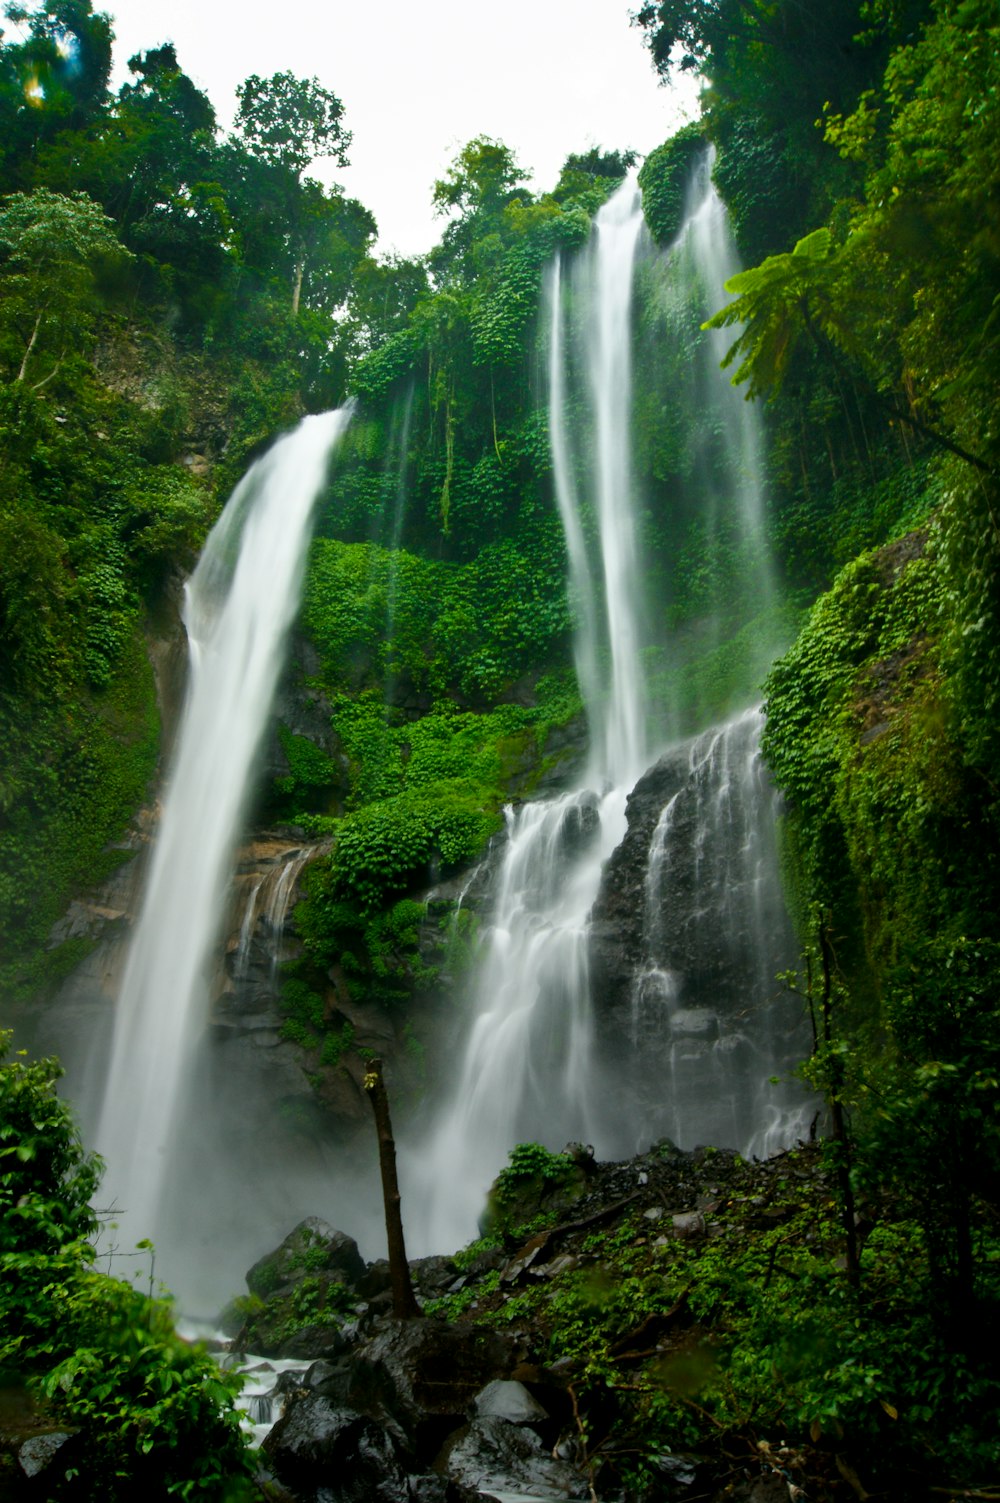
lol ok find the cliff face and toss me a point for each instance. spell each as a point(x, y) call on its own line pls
point(689, 934)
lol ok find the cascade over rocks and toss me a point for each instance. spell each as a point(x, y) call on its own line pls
point(617, 925)
point(688, 935)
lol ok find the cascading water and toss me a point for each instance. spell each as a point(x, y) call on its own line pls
point(593, 484)
point(529, 1068)
point(239, 604)
point(265, 909)
point(705, 256)
point(528, 1060)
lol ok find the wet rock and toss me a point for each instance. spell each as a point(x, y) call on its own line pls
point(509, 1400)
point(432, 1276)
point(424, 1376)
point(324, 1376)
point(688, 1224)
point(492, 1455)
point(320, 1449)
point(687, 932)
point(376, 1280)
point(565, 1263)
point(485, 1262)
point(312, 1342)
point(580, 826)
point(313, 1247)
point(530, 1254)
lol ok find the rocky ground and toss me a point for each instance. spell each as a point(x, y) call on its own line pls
point(578, 1352)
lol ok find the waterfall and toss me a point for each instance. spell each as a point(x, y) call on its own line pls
point(528, 1058)
point(529, 1066)
point(594, 484)
point(265, 908)
point(239, 603)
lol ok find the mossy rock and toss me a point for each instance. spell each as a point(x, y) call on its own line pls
point(313, 1248)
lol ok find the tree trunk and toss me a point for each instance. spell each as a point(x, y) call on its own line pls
point(31, 346)
point(404, 1302)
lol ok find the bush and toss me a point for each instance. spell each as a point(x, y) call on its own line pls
point(155, 1415)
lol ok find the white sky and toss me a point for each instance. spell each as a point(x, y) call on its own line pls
point(546, 77)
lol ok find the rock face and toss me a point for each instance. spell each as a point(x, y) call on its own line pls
point(689, 932)
point(618, 920)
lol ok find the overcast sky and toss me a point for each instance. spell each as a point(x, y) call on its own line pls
point(419, 80)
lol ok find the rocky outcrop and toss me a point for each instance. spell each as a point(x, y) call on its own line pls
point(461, 1404)
point(689, 934)
point(618, 919)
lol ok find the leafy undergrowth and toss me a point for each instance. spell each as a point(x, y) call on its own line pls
point(698, 1308)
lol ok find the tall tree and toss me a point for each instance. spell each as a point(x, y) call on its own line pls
point(285, 123)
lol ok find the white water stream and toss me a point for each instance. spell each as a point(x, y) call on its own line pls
point(239, 604)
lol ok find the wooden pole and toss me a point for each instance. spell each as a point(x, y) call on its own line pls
point(404, 1301)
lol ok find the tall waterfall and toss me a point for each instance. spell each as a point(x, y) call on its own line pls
point(239, 604)
point(530, 1067)
point(528, 1061)
point(605, 581)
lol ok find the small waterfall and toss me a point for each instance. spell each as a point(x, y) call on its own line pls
point(265, 907)
point(239, 604)
point(402, 449)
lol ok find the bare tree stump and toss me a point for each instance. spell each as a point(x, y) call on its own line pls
point(404, 1301)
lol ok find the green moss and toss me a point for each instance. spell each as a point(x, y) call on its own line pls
point(664, 180)
point(75, 769)
point(888, 824)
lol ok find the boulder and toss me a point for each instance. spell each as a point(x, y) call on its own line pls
point(314, 1247)
point(508, 1400)
point(492, 1455)
point(318, 1445)
point(326, 1452)
point(424, 1376)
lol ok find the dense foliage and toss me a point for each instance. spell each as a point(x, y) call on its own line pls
point(698, 1308)
point(147, 1414)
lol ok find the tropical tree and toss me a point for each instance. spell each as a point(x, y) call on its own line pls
point(284, 124)
point(52, 245)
